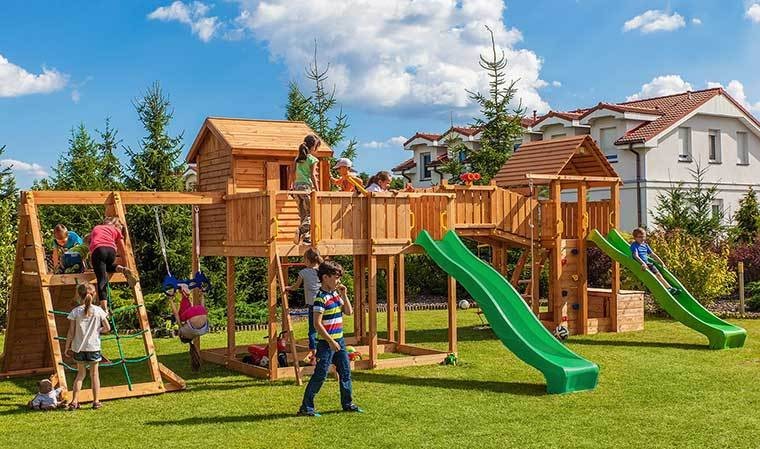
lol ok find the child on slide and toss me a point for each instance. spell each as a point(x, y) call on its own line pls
point(193, 322)
point(641, 253)
point(308, 277)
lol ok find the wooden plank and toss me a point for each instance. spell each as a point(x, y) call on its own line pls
point(286, 323)
point(537, 176)
point(390, 297)
point(555, 273)
point(122, 391)
point(615, 277)
point(452, 314)
point(372, 303)
point(517, 273)
point(59, 197)
point(272, 288)
point(171, 377)
point(582, 232)
point(53, 280)
point(230, 307)
point(401, 291)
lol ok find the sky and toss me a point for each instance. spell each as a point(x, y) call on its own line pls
point(397, 66)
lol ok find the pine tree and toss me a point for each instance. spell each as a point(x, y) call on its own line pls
point(155, 166)
point(299, 106)
point(672, 211)
point(457, 151)
point(747, 218)
point(322, 102)
point(8, 228)
point(110, 166)
point(500, 126)
point(706, 222)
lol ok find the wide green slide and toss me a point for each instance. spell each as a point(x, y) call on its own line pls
point(510, 318)
point(682, 306)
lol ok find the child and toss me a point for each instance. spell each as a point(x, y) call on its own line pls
point(641, 252)
point(329, 305)
point(381, 182)
point(47, 397)
point(193, 322)
point(305, 180)
point(83, 340)
point(65, 260)
point(347, 180)
point(105, 240)
point(308, 277)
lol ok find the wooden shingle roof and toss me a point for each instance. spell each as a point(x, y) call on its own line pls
point(256, 137)
point(576, 155)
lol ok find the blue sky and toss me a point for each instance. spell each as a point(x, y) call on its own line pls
point(399, 66)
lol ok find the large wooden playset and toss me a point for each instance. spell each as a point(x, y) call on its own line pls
point(246, 210)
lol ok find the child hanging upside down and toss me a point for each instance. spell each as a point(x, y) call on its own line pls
point(193, 322)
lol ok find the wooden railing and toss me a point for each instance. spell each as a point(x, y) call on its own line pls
point(433, 212)
point(598, 218)
point(248, 219)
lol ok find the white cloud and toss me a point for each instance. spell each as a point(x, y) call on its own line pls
point(655, 20)
point(392, 142)
point(696, 21)
point(193, 14)
point(736, 89)
point(556, 84)
point(15, 81)
point(661, 85)
point(75, 95)
point(24, 168)
point(753, 12)
point(402, 54)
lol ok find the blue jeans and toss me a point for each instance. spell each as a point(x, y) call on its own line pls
point(312, 330)
point(326, 357)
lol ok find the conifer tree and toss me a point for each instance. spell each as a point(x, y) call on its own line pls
point(747, 218)
point(8, 230)
point(298, 108)
point(457, 152)
point(110, 166)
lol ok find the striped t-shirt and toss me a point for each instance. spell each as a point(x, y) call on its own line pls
point(329, 304)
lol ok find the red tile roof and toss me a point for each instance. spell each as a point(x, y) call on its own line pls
point(406, 165)
point(469, 131)
point(427, 136)
point(569, 115)
point(623, 108)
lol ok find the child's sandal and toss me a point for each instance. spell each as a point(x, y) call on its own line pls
point(96, 405)
point(74, 406)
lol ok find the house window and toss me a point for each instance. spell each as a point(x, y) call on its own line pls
point(607, 138)
point(425, 165)
point(462, 156)
point(557, 136)
point(742, 148)
point(717, 208)
point(684, 144)
point(713, 137)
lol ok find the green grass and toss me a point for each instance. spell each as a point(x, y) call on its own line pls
point(658, 388)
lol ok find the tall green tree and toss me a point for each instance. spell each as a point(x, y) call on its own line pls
point(8, 232)
point(747, 218)
point(110, 167)
point(155, 166)
point(457, 152)
point(499, 121)
point(298, 108)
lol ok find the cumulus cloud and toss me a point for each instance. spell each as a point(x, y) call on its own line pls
point(655, 20)
point(661, 85)
point(753, 12)
point(22, 168)
point(15, 81)
point(556, 84)
point(193, 14)
point(736, 89)
point(696, 21)
point(403, 54)
point(392, 142)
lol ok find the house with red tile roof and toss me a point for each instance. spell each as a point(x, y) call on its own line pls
point(654, 142)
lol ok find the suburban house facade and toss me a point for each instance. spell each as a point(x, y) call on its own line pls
point(653, 143)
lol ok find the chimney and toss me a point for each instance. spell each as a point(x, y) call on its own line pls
point(534, 115)
point(689, 92)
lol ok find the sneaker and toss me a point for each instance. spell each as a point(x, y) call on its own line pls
point(308, 413)
point(309, 360)
point(131, 278)
point(353, 408)
point(306, 241)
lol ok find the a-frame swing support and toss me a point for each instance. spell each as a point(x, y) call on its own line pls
point(34, 339)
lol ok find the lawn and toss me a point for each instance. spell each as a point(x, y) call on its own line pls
point(658, 388)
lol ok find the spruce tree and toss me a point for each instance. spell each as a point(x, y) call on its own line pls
point(331, 131)
point(747, 218)
point(110, 166)
point(500, 124)
point(298, 108)
point(156, 166)
point(457, 151)
point(8, 230)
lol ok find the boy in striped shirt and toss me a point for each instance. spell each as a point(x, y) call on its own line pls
point(330, 304)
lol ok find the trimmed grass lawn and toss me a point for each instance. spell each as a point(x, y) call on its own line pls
point(660, 387)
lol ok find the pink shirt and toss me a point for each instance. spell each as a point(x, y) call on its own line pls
point(104, 235)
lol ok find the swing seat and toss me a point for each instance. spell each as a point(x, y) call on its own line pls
point(171, 283)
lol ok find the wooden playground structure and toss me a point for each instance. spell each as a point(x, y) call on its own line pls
point(245, 210)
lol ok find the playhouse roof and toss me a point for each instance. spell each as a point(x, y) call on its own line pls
point(256, 137)
point(576, 156)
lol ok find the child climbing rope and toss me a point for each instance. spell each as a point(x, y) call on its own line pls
point(83, 342)
point(105, 240)
point(308, 277)
point(193, 322)
point(305, 180)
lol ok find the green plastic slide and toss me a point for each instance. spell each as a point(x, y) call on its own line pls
point(510, 318)
point(681, 306)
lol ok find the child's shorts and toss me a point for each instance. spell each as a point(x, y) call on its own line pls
point(88, 356)
point(653, 268)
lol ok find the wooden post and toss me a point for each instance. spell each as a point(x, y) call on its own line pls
point(535, 286)
point(555, 290)
point(515, 280)
point(358, 298)
point(273, 176)
point(401, 300)
point(615, 278)
point(582, 228)
point(195, 265)
point(452, 309)
point(741, 289)
point(390, 296)
point(372, 293)
point(231, 308)
point(272, 284)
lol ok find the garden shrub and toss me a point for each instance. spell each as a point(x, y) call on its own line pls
point(752, 296)
point(749, 253)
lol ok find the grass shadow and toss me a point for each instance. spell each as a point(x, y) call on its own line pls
point(200, 420)
point(636, 344)
point(468, 333)
point(514, 388)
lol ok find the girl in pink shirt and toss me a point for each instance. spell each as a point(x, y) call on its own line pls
point(105, 240)
point(192, 321)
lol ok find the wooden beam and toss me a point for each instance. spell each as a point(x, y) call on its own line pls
point(517, 274)
point(287, 324)
point(390, 297)
point(372, 300)
point(54, 280)
point(401, 280)
point(230, 307)
point(60, 197)
point(452, 313)
point(582, 222)
point(615, 278)
point(272, 286)
point(536, 176)
point(358, 298)
point(555, 272)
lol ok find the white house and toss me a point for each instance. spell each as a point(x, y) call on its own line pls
point(653, 143)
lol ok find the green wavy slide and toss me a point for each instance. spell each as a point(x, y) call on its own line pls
point(681, 306)
point(510, 318)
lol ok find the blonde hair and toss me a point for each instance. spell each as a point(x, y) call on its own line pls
point(638, 232)
point(86, 294)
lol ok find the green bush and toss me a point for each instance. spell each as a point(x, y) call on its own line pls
point(702, 269)
point(752, 296)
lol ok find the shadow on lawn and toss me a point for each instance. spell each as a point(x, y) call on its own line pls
point(199, 420)
point(636, 344)
point(468, 333)
point(515, 388)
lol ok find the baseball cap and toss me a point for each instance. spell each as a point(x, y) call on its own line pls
point(343, 162)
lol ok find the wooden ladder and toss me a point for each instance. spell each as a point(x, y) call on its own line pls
point(287, 324)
